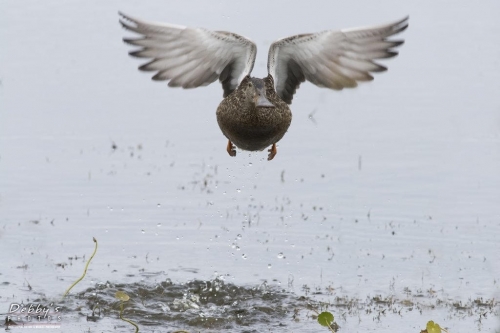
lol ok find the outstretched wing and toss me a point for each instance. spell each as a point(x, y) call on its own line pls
point(331, 59)
point(191, 58)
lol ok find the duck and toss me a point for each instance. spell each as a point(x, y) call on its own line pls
point(255, 112)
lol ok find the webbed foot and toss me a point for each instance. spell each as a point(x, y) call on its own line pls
point(231, 149)
point(272, 152)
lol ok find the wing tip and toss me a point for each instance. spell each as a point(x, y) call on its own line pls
point(124, 16)
point(147, 67)
point(136, 54)
point(126, 22)
point(401, 25)
point(157, 77)
point(380, 68)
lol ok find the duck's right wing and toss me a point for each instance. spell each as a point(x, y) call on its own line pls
point(190, 58)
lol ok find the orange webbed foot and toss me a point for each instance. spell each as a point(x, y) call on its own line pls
point(272, 152)
point(231, 149)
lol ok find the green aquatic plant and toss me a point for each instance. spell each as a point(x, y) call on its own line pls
point(326, 319)
point(85, 270)
point(123, 297)
point(433, 327)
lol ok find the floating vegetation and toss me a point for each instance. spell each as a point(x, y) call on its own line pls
point(84, 271)
point(123, 297)
point(216, 305)
point(433, 327)
point(326, 319)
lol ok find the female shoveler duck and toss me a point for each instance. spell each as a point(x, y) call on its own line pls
point(254, 113)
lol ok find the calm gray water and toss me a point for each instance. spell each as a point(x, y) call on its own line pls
point(383, 201)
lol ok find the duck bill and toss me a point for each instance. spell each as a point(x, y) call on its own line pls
point(262, 101)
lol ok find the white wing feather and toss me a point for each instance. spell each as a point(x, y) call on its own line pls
point(331, 59)
point(190, 58)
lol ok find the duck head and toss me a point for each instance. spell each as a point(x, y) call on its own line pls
point(255, 92)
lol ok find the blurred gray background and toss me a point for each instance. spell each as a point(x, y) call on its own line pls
point(390, 185)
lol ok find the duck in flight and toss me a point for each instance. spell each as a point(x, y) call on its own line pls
point(255, 113)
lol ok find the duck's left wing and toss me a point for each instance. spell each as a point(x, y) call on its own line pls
point(190, 58)
point(331, 59)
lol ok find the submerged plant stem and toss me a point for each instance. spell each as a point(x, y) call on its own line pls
point(128, 320)
point(84, 271)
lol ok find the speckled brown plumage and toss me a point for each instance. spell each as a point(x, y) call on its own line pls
point(250, 127)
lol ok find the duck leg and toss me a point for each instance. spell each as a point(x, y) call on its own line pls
point(231, 149)
point(272, 152)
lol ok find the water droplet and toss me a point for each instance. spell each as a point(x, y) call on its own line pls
point(143, 231)
point(238, 236)
point(158, 225)
point(238, 190)
point(269, 266)
point(250, 164)
point(281, 255)
point(158, 205)
point(244, 256)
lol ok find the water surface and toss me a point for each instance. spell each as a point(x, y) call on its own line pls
point(382, 201)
